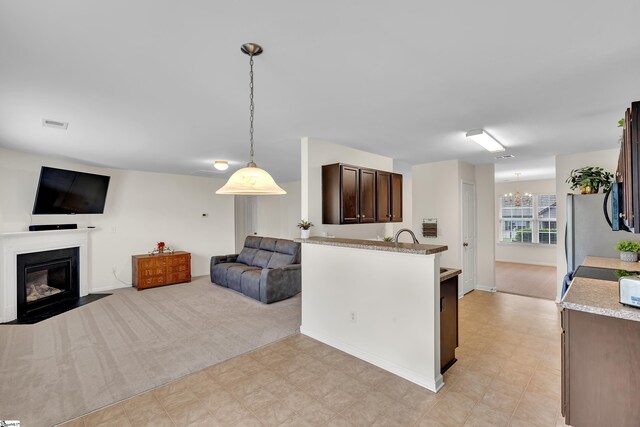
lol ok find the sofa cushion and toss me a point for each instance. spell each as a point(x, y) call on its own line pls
point(287, 247)
point(234, 275)
point(252, 242)
point(251, 283)
point(280, 260)
point(219, 272)
point(262, 258)
point(268, 244)
point(246, 255)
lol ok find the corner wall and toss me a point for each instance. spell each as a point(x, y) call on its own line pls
point(314, 154)
point(607, 159)
point(142, 208)
point(485, 228)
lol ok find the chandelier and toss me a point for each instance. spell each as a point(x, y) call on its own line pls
point(517, 201)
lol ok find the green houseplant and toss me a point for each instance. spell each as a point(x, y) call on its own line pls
point(304, 227)
point(589, 179)
point(628, 250)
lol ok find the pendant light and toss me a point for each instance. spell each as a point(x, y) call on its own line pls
point(251, 180)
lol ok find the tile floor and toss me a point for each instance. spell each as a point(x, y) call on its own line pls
point(508, 373)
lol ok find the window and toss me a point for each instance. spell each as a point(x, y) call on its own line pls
point(534, 221)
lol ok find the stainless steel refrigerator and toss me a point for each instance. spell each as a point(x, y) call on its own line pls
point(588, 232)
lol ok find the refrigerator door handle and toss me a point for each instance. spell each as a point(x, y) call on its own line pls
point(604, 206)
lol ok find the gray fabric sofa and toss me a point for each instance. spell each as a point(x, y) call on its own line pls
point(266, 269)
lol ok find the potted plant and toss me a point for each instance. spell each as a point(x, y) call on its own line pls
point(304, 227)
point(589, 179)
point(628, 250)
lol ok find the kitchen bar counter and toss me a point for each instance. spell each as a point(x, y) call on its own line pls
point(376, 245)
point(380, 302)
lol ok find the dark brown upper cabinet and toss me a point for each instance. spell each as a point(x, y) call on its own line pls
point(367, 195)
point(383, 203)
point(396, 197)
point(352, 195)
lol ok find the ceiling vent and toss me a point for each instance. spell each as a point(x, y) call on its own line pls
point(54, 124)
point(505, 156)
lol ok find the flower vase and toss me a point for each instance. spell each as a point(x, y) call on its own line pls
point(305, 233)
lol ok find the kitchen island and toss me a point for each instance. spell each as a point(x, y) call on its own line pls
point(600, 351)
point(378, 301)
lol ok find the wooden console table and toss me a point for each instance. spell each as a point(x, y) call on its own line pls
point(150, 271)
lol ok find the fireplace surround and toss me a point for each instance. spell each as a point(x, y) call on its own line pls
point(18, 243)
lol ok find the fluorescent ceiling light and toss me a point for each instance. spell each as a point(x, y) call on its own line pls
point(479, 136)
point(221, 165)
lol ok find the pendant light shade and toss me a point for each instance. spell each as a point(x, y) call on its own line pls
point(251, 180)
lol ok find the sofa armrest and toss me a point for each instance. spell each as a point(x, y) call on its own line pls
point(280, 283)
point(223, 258)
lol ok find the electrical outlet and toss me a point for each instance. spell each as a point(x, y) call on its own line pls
point(354, 317)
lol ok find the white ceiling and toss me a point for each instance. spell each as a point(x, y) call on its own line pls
point(162, 85)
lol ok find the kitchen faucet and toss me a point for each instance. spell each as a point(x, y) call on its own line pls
point(413, 236)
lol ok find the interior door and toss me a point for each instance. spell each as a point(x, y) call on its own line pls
point(468, 237)
point(367, 195)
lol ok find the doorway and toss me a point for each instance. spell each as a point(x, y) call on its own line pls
point(468, 237)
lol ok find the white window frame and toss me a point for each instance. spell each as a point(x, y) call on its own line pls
point(535, 222)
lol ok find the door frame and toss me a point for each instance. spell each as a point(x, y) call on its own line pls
point(475, 236)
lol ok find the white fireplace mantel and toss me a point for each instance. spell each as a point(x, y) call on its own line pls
point(24, 242)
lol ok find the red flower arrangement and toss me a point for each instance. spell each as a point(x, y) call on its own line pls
point(161, 247)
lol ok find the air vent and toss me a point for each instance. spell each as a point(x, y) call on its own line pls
point(54, 124)
point(505, 156)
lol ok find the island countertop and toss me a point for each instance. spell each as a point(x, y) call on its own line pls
point(376, 245)
point(599, 296)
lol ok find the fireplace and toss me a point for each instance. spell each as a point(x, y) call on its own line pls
point(46, 279)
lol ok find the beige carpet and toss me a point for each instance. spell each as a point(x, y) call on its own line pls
point(537, 281)
point(127, 343)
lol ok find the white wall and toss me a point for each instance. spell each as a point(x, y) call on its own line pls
point(436, 194)
point(316, 153)
point(485, 233)
point(278, 215)
point(608, 159)
point(141, 209)
point(522, 252)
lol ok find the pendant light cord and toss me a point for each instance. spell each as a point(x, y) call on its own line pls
point(251, 108)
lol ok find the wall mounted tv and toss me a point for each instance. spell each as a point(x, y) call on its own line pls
point(65, 192)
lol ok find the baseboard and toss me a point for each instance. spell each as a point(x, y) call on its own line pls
point(485, 288)
point(108, 288)
point(513, 261)
point(415, 377)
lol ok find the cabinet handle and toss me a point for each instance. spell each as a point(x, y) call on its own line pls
point(364, 216)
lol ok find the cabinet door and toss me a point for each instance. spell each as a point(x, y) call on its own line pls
point(448, 322)
point(383, 196)
point(396, 197)
point(367, 195)
point(349, 177)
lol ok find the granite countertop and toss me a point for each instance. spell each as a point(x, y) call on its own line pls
point(449, 273)
point(614, 263)
point(376, 245)
point(600, 296)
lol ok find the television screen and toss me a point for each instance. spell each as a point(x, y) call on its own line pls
point(68, 192)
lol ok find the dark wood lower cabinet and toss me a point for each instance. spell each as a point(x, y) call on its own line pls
point(600, 370)
point(448, 322)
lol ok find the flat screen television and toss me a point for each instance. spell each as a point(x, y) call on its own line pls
point(65, 192)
